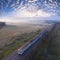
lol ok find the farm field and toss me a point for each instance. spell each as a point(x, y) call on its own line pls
point(53, 50)
point(7, 32)
point(12, 36)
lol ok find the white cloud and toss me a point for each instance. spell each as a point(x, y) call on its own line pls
point(26, 16)
point(29, 12)
point(32, 12)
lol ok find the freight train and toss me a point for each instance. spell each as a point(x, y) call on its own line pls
point(31, 43)
point(27, 46)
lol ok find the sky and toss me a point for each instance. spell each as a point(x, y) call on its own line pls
point(27, 10)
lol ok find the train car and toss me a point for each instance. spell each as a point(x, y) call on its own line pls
point(29, 45)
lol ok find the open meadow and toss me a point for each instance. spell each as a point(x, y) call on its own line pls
point(9, 31)
point(14, 36)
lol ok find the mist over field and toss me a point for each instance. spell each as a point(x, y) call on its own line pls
point(24, 21)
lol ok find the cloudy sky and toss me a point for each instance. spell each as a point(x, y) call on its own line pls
point(26, 10)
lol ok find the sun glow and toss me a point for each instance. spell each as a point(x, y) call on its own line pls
point(31, 10)
point(26, 13)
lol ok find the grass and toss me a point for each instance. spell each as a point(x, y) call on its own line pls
point(54, 50)
point(42, 53)
point(18, 42)
point(10, 31)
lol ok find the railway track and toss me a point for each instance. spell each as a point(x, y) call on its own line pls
point(30, 51)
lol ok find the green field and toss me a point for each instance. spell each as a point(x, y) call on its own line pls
point(17, 42)
point(10, 31)
point(53, 51)
point(12, 37)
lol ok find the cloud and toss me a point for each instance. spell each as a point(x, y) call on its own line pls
point(27, 16)
point(29, 12)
